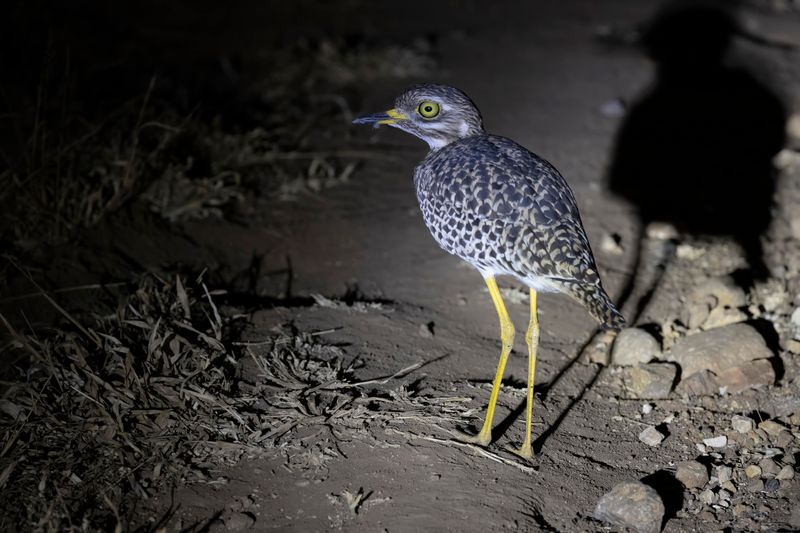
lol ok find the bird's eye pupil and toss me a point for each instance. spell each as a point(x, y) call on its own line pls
point(428, 108)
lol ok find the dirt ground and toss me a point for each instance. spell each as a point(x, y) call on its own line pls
point(354, 269)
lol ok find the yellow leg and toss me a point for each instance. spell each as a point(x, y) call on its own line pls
point(532, 339)
point(507, 338)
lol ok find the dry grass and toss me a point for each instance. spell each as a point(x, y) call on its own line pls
point(109, 410)
point(113, 406)
point(101, 411)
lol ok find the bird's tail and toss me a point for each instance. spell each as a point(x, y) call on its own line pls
point(597, 302)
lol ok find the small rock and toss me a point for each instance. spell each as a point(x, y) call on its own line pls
point(740, 509)
point(769, 467)
point(772, 485)
point(742, 424)
point(239, 521)
point(633, 346)
point(692, 474)
point(753, 471)
point(707, 516)
point(633, 505)
point(784, 439)
point(786, 473)
point(426, 330)
point(661, 231)
point(771, 427)
point(724, 495)
point(716, 442)
point(729, 486)
point(795, 318)
point(724, 474)
point(786, 158)
point(707, 497)
point(718, 349)
point(611, 244)
point(755, 485)
point(702, 383)
point(752, 375)
point(647, 408)
point(651, 381)
point(701, 447)
point(651, 436)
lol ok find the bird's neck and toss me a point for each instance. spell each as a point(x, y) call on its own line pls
point(440, 139)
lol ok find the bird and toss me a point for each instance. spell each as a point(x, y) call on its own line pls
point(503, 210)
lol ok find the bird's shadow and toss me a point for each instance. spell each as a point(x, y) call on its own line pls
point(695, 149)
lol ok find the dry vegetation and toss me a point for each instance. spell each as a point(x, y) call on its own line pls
point(101, 410)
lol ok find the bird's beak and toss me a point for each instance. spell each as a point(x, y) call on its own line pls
point(389, 117)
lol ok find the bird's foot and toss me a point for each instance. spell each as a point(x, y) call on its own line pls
point(525, 451)
point(484, 438)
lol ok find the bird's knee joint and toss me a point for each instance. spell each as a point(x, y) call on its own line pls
point(507, 334)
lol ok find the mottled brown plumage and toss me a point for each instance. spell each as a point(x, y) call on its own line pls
point(504, 210)
point(496, 205)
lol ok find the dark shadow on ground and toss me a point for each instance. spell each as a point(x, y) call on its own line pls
point(695, 150)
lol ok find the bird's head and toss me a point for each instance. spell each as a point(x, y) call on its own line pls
point(437, 114)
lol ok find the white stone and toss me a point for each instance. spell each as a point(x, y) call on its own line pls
point(651, 436)
point(716, 442)
point(742, 424)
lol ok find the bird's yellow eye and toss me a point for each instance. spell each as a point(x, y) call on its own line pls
point(428, 109)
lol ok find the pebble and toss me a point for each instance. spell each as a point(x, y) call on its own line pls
point(426, 330)
point(784, 439)
point(692, 474)
point(651, 436)
point(611, 244)
point(740, 509)
point(716, 442)
point(724, 474)
point(772, 485)
point(707, 497)
point(647, 408)
point(633, 346)
point(755, 485)
point(652, 381)
point(632, 505)
point(769, 467)
point(786, 473)
point(742, 424)
point(753, 471)
point(718, 349)
point(751, 375)
point(238, 521)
